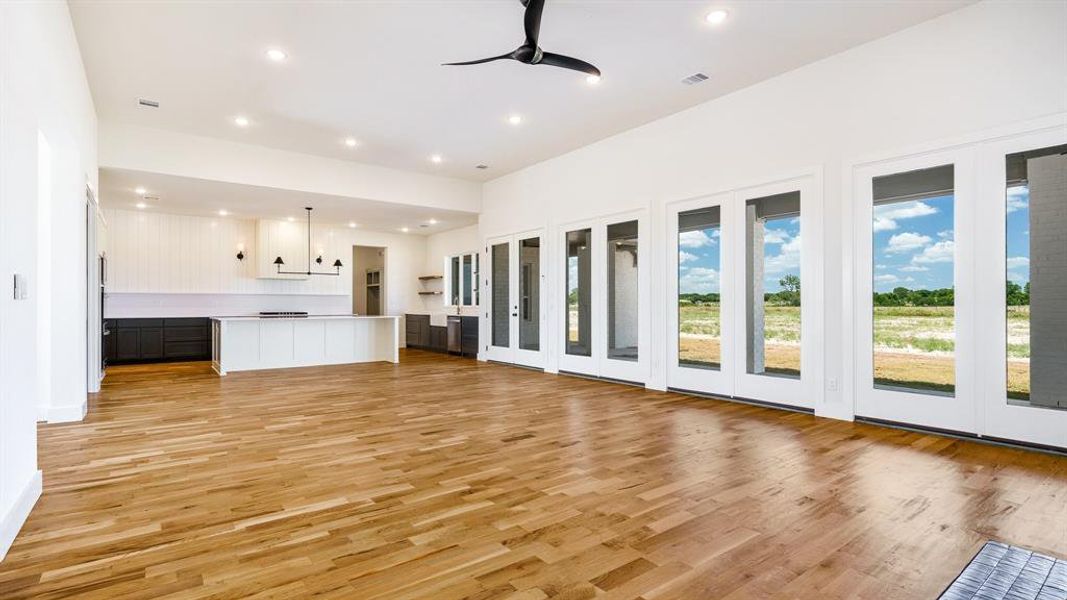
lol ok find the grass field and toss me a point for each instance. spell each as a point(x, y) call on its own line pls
point(914, 347)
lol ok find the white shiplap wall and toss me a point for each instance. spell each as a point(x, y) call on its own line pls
point(173, 265)
point(173, 254)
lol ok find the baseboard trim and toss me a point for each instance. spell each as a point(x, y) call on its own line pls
point(12, 522)
point(64, 414)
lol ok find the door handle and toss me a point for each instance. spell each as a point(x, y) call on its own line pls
point(514, 314)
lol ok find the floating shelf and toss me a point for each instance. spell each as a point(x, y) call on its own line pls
point(430, 293)
point(430, 277)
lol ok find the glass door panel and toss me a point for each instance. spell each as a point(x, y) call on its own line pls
point(772, 285)
point(500, 324)
point(622, 291)
point(530, 294)
point(579, 289)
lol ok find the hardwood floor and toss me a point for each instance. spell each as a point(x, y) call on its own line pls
point(445, 478)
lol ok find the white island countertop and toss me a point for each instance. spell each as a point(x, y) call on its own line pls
point(245, 343)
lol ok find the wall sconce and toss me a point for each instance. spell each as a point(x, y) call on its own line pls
point(320, 252)
point(240, 251)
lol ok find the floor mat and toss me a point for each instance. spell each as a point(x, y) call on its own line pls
point(1000, 571)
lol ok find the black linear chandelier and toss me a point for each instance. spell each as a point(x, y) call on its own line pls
point(337, 263)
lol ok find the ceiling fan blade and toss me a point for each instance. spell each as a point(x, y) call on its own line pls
point(532, 20)
point(558, 60)
point(482, 60)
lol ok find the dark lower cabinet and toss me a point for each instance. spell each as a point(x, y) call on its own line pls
point(420, 334)
point(157, 340)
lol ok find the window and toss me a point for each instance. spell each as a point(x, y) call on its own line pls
point(622, 290)
point(461, 283)
point(913, 281)
point(1036, 286)
point(772, 285)
point(579, 290)
point(699, 321)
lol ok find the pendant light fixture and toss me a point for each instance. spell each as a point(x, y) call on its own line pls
point(279, 263)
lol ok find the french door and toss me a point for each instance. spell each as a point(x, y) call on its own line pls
point(960, 281)
point(603, 298)
point(1022, 346)
point(914, 291)
point(515, 305)
point(741, 322)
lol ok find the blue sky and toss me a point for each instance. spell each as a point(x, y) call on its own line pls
point(914, 242)
point(698, 256)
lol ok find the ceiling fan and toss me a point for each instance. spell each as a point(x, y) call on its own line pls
point(530, 53)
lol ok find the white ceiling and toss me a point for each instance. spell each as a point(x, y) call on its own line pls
point(200, 197)
point(371, 69)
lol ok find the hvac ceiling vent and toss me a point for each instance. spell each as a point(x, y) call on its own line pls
point(482, 167)
point(695, 78)
point(148, 103)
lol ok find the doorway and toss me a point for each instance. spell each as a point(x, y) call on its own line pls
point(368, 280)
point(516, 304)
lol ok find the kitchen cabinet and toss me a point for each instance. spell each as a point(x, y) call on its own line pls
point(460, 336)
point(157, 340)
point(417, 331)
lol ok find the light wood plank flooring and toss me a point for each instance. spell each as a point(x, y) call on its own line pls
point(445, 478)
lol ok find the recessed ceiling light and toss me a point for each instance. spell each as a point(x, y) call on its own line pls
point(436, 159)
point(432, 221)
point(223, 212)
point(404, 229)
point(290, 219)
point(515, 119)
point(240, 121)
point(352, 224)
point(277, 55)
point(141, 205)
point(716, 17)
point(593, 79)
point(350, 142)
point(141, 191)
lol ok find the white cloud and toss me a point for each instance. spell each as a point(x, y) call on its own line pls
point(880, 267)
point(694, 239)
point(787, 259)
point(940, 252)
point(887, 215)
point(886, 278)
point(945, 235)
point(684, 257)
point(914, 269)
point(1018, 198)
point(1018, 262)
point(775, 236)
point(699, 280)
point(907, 242)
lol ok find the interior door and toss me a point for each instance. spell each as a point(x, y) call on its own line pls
point(1023, 351)
point(700, 296)
point(516, 306)
point(914, 284)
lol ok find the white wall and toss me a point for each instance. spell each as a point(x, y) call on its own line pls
point(438, 247)
point(43, 91)
point(158, 151)
point(163, 265)
point(987, 65)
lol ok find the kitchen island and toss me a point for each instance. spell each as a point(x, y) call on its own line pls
point(251, 343)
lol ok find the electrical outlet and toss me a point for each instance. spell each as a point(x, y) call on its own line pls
point(831, 384)
point(21, 287)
